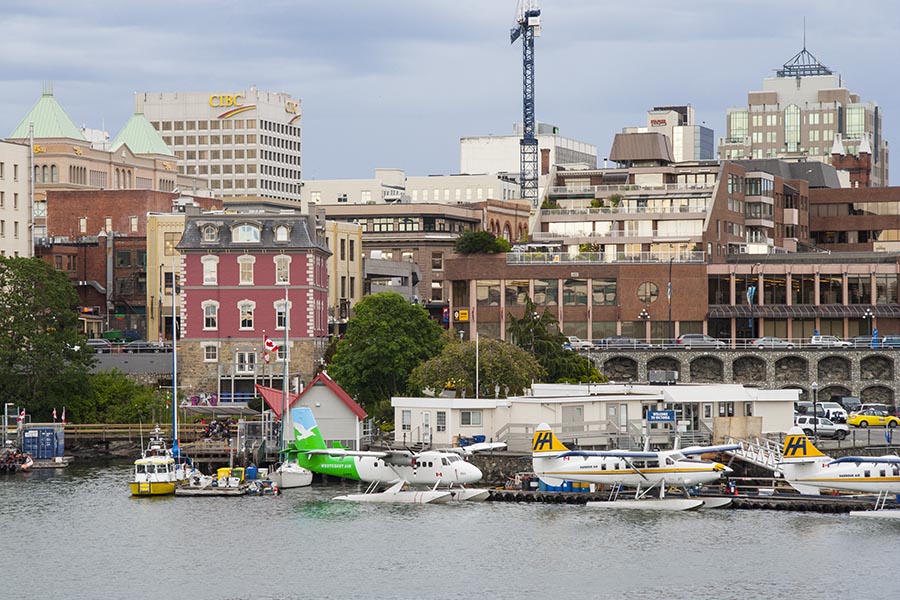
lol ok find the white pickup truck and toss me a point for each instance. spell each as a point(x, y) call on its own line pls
point(577, 343)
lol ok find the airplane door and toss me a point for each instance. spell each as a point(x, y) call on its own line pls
point(426, 428)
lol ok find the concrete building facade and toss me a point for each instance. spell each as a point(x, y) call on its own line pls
point(15, 209)
point(689, 141)
point(500, 153)
point(241, 142)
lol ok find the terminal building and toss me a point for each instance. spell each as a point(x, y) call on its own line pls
point(241, 142)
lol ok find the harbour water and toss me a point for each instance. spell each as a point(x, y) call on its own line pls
point(77, 534)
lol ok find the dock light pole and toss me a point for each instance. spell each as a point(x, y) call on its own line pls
point(644, 316)
point(815, 390)
point(867, 316)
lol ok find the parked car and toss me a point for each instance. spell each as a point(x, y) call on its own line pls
point(771, 342)
point(576, 343)
point(886, 408)
point(100, 345)
point(850, 403)
point(698, 340)
point(806, 408)
point(828, 341)
point(822, 427)
point(145, 346)
point(621, 341)
point(834, 411)
point(890, 341)
point(872, 418)
point(862, 341)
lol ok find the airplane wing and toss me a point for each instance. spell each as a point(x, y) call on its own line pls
point(609, 453)
point(479, 447)
point(343, 452)
point(704, 449)
point(867, 459)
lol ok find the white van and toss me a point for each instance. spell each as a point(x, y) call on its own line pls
point(834, 411)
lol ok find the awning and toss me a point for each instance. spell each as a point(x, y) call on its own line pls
point(803, 311)
point(274, 398)
point(224, 409)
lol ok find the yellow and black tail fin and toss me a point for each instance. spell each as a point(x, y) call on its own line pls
point(798, 447)
point(545, 442)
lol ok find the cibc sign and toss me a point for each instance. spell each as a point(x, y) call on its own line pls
point(226, 100)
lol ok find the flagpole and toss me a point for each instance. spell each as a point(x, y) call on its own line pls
point(285, 414)
point(175, 448)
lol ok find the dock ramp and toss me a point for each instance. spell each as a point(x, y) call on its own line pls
point(760, 452)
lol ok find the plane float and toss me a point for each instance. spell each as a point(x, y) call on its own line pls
point(644, 470)
point(808, 470)
point(430, 476)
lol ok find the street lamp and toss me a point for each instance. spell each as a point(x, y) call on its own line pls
point(644, 316)
point(815, 391)
point(868, 316)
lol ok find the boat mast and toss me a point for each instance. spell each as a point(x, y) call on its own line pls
point(175, 449)
point(285, 413)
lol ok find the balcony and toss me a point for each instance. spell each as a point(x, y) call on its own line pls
point(614, 236)
point(587, 209)
point(543, 258)
point(582, 190)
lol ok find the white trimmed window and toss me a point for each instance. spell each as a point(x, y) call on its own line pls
point(441, 424)
point(282, 269)
point(246, 269)
point(210, 270)
point(282, 233)
point(406, 420)
point(210, 352)
point(210, 233)
point(210, 315)
point(281, 316)
point(246, 308)
point(245, 362)
point(245, 234)
point(470, 418)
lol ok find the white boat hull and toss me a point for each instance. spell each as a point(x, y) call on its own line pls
point(291, 475)
point(876, 514)
point(669, 504)
point(469, 494)
point(717, 502)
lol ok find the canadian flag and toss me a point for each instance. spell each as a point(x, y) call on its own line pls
point(54, 413)
point(64, 415)
point(270, 347)
point(21, 416)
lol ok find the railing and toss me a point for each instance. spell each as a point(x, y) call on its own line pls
point(529, 258)
point(744, 344)
point(624, 210)
point(613, 233)
point(760, 452)
point(593, 189)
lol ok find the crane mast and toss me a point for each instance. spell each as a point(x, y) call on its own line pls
point(528, 26)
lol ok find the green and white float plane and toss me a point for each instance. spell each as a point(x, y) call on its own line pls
point(413, 477)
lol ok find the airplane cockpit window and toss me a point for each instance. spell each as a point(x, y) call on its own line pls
point(445, 462)
point(453, 458)
point(670, 460)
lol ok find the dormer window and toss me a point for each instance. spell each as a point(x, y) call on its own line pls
point(282, 233)
point(245, 233)
point(210, 233)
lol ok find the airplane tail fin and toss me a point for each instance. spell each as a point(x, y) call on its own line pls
point(801, 460)
point(306, 430)
point(545, 442)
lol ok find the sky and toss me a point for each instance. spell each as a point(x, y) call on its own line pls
point(397, 83)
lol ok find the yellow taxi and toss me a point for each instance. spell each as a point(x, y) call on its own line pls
point(872, 418)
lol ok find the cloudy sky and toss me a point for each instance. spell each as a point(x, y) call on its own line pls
point(396, 83)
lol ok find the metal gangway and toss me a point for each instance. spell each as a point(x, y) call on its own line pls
point(761, 452)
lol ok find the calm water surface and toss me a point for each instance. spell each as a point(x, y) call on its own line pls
point(78, 534)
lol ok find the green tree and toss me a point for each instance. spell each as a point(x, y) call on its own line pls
point(43, 358)
point(114, 398)
point(538, 334)
point(499, 364)
point(385, 340)
point(481, 242)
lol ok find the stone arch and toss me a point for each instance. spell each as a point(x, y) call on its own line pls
point(707, 369)
point(833, 368)
point(878, 367)
point(877, 394)
point(749, 369)
point(833, 393)
point(794, 386)
point(620, 368)
point(791, 368)
point(663, 363)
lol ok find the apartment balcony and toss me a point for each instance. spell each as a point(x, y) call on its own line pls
point(600, 191)
point(615, 236)
point(543, 258)
point(587, 209)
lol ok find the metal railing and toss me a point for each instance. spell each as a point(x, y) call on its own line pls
point(613, 233)
point(624, 210)
point(746, 344)
point(593, 189)
point(530, 258)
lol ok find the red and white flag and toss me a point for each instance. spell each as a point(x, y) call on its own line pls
point(64, 415)
point(54, 414)
point(270, 347)
point(21, 416)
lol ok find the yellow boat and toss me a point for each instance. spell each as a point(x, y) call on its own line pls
point(156, 473)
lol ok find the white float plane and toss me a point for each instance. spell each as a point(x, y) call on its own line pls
point(554, 463)
point(808, 470)
point(443, 473)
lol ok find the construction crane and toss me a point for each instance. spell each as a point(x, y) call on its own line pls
point(528, 26)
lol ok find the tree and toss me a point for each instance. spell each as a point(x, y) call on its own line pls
point(481, 242)
point(43, 358)
point(385, 340)
point(499, 364)
point(539, 335)
point(114, 398)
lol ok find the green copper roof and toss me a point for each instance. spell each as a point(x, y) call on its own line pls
point(50, 121)
point(140, 137)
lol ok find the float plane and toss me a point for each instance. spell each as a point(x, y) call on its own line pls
point(808, 470)
point(414, 477)
point(554, 463)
